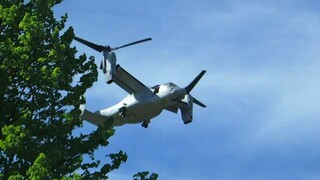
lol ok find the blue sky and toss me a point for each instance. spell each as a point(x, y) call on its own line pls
point(261, 87)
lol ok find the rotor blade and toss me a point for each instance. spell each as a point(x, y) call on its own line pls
point(101, 64)
point(199, 103)
point(96, 47)
point(130, 44)
point(194, 82)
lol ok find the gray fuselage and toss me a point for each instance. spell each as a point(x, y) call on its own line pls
point(142, 106)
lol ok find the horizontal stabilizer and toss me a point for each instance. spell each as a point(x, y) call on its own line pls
point(93, 118)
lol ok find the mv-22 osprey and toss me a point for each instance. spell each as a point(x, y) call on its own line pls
point(143, 103)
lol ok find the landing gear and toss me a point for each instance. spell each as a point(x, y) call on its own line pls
point(145, 123)
point(123, 112)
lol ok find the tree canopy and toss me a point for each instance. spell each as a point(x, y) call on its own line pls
point(42, 86)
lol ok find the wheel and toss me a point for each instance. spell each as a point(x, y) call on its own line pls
point(145, 125)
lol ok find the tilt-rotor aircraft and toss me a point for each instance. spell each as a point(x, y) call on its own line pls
point(143, 103)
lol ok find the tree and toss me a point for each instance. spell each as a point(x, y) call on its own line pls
point(42, 87)
point(145, 175)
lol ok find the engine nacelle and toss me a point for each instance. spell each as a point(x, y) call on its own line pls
point(187, 109)
point(109, 66)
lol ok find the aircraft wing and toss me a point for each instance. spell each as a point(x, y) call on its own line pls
point(127, 82)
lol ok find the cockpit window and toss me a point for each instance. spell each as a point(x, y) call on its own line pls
point(155, 89)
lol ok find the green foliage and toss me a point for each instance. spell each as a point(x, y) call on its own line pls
point(39, 169)
point(145, 175)
point(42, 86)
